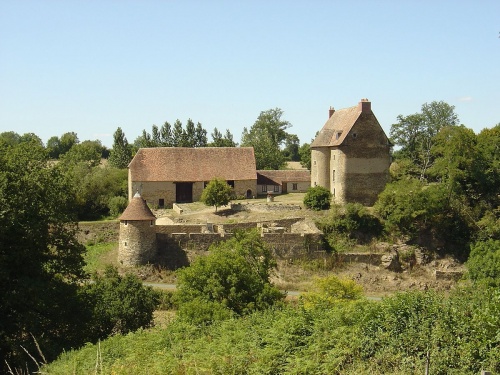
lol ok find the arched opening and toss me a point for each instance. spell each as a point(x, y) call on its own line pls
point(249, 193)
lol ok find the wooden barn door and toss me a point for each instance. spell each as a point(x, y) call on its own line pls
point(184, 192)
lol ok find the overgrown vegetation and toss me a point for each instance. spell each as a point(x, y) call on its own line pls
point(341, 336)
point(348, 225)
point(232, 280)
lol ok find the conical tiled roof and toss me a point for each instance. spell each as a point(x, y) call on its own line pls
point(137, 209)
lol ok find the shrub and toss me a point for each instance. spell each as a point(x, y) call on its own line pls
point(349, 224)
point(484, 262)
point(318, 198)
point(332, 290)
point(121, 304)
point(235, 275)
point(117, 205)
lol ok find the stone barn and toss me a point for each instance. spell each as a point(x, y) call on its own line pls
point(167, 175)
point(350, 156)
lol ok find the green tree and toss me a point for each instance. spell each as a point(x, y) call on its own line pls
point(9, 138)
point(200, 136)
point(41, 263)
point(217, 193)
point(121, 304)
point(89, 152)
point(425, 214)
point(291, 150)
point(266, 136)
point(121, 153)
point(234, 277)
point(178, 135)
point(190, 134)
point(318, 198)
point(415, 133)
point(219, 140)
point(305, 155)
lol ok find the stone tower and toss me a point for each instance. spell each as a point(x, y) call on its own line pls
point(137, 243)
point(351, 155)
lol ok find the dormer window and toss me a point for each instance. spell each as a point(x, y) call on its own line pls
point(337, 135)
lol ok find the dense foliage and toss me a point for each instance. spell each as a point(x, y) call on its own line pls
point(232, 279)
point(120, 304)
point(46, 305)
point(217, 193)
point(459, 334)
point(40, 259)
point(266, 136)
point(318, 198)
point(344, 226)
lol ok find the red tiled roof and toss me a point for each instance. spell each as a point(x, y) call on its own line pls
point(277, 177)
point(340, 122)
point(137, 209)
point(182, 164)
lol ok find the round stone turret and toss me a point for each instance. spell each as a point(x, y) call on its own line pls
point(137, 243)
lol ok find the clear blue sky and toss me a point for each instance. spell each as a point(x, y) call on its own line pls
point(93, 66)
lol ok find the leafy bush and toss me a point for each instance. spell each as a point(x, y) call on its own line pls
point(484, 262)
point(318, 198)
point(121, 304)
point(117, 205)
point(426, 215)
point(234, 275)
point(349, 224)
point(331, 290)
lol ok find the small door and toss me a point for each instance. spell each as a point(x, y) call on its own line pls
point(184, 192)
point(284, 187)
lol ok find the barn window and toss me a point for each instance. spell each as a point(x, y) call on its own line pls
point(276, 188)
point(230, 183)
point(294, 186)
point(264, 188)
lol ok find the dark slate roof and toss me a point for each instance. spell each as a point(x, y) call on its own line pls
point(340, 122)
point(137, 209)
point(183, 164)
point(277, 177)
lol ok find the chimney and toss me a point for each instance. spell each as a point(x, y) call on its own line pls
point(331, 111)
point(365, 106)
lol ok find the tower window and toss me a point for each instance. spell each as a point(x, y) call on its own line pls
point(126, 223)
point(355, 135)
point(314, 162)
point(125, 243)
point(333, 175)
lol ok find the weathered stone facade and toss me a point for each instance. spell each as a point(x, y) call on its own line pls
point(351, 155)
point(137, 242)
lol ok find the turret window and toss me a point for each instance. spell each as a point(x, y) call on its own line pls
point(333, 175)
